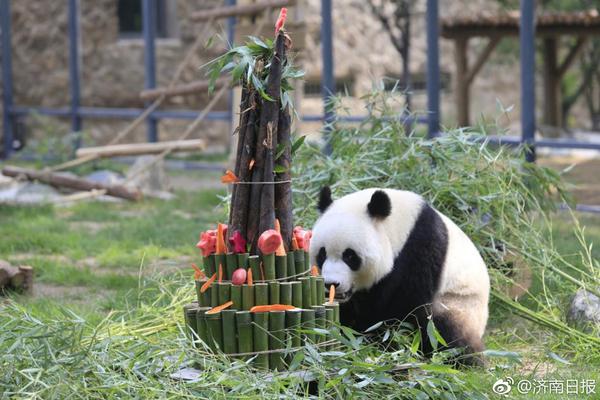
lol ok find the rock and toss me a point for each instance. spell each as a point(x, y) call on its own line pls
point(585, 310)
point(105, 177)
point(28, 193)
point(149, 175)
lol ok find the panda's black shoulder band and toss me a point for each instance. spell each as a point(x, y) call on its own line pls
point(380, 205)
point(325, 199)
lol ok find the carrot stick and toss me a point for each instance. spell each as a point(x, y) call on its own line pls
point(220, 308)
point(295, 243)
point(198, 274)
point(249, 277)
point(331, 293)
point(281, 249)
point(314, 271)
point(220, 273)
point(221, 248)
point(207, 284)
point(272, 307)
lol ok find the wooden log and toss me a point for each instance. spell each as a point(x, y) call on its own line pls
point(283, 191)
point(136, 149)
point(241, 10)
point(193, 87)
point(60, 180)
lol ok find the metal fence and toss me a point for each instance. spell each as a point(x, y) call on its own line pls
point(77, 113)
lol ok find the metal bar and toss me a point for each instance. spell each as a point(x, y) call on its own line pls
point(149, 28)
point(74, 68)
point(361, 118)
point(527, 57)
point(328, 78)
point(433, 69)
point(7, 93)
point(126, 113)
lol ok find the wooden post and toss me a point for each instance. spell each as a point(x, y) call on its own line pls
point(552, 99)
point(462, 84)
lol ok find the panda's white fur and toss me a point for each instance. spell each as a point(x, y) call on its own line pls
point(461, 296)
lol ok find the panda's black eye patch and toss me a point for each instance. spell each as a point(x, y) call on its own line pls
point(352, 259)
point(321, 257)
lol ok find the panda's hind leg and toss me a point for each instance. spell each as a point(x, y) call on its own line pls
point(458, 335)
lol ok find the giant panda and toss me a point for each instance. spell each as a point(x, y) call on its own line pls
point(392, 256)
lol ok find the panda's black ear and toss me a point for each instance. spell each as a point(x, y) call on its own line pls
point(380, 205)
point(324, 199)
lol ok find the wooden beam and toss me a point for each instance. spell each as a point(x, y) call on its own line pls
point(136, 149)
point(482, 58)
point(194, 87)
point(241, 10)
point(574, 52)
point(462, 84)
point(60, 180)
point(552, 102)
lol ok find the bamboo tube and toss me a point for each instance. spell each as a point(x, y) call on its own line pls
point(329, 323)
point(320, 321)
point(276, 339)
point(224, 289)
point(232, 264)
point(336, 311)
point(293, 319)
point(247, 297)
point(306, 261)
point(308, 322)
point(205, 298)
point(291, 266)
point(320, 289)
point(229, 332)
point(189, 313)
point(214, 331)
point(201, 324)
point(214, 294)
point(285, 293)
point(313, 291)
point(269, 266)
point(261, 294)
point(243, 260)
point(208, 263)
point(236, 297)
point(299, 261)
point(243, 321)
point(254, 263)
point(261, 338)
point(297, 294)
point(198, 284)
point(274, 292)
point(306, 292)
point(281, 267)
point(221, 259)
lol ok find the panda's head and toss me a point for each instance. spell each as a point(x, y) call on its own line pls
point(349, 242)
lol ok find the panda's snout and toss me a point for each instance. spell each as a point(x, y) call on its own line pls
point(338, 274)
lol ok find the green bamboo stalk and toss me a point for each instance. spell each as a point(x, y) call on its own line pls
point(320, 321)
point(189, 314)
point(268, 261)
point(293, 321)
point(329, 323)
point(214, 294)
point(206, 297)
point(208, 263)
point(199, 284)
point(261, 338)
point(297, 294)
point(254, 263)
point(236, 297)
point(224, 289)
point(291, 265)
point(247, 297)
point(299, 261)
point(308, 322)
point(274, 292)
point(221, 259)
point(229, 332)
point(281, 267)
point(243, 260)
point(214, 331)
point(201, 324)
point(285, 293)
point(320, 290)
point(243, 320)
point(306, 292)
point(276, 339)
point(232, 265)
point(306, 261)
point(336, 311)
point(261, 294)
point(313, 291)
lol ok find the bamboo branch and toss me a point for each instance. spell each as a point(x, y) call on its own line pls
point(134, 149)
